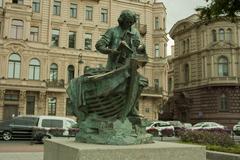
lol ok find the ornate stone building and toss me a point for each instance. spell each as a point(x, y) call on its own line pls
point(46, 43)
point(206, 73)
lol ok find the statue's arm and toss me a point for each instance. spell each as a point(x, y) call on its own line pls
point(103, 44)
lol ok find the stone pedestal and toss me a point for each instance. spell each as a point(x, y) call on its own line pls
point(68, 149)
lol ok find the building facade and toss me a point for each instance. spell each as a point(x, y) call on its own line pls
point(46, 43)
point(206, 66)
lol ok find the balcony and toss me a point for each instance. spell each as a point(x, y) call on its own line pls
point(211, 81)
point(18, 7)
point(153, 92)
point(55, 83)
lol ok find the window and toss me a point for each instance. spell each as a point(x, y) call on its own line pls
point(186, 73)
point(26, 121)
point(223, 66)
point(165, 50)
point(1, 3)
point(157, 50)
point(157, 23)
point(214, 35)
point(52, 123)
point(164, 23)
point(68, 107)
point(0, 28)
point(70, 72)
point(156, 83)
point(221, 34)
point(17, 29)
point(56, 8)
point(17, 1)
point(36, 6)
point(223, 103)
point(34, 69)
point(88, 41)
point(73, 10)
point(169, 84)
point(55, 38)
point(14, 66)
point(137, 24)
point(34, 34)
point(53, 72)
point(52, 102)
point(104, 15)
point(147, 110)
point(89, 13)
point(229, 35)
point(71, 39)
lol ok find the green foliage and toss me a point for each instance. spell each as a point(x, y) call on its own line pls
point(217, 8)
point(234, 149)
point(207, 138)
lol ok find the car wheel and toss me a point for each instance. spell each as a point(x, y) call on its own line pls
point(7, 136)
point(45, 137)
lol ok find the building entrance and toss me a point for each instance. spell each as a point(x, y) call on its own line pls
point(9, 111)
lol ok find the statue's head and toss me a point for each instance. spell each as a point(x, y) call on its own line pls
point(126, 19)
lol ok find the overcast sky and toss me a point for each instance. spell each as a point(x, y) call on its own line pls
point(177, 10)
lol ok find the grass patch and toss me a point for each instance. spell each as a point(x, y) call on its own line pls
point(234, 149)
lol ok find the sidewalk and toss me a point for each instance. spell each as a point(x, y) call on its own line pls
point(21, 156)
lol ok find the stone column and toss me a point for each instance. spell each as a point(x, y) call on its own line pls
point(2, 93)
point(42, 107)
point(22, 102)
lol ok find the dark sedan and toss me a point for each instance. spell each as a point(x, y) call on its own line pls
point(18, 128)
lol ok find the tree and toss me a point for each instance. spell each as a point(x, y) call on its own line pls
point(216, 8)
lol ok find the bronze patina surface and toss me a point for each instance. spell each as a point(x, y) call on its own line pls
point(105, 100)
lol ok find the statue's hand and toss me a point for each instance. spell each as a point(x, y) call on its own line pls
point(113, 52)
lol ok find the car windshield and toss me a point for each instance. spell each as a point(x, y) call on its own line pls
point(198, 125)
point(176, 123)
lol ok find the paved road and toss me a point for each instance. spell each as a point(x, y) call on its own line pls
point(20, 150)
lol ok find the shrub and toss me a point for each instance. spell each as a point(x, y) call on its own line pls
point(167, 132)
point(56, 131)
point(73, 131)
point(207, 137)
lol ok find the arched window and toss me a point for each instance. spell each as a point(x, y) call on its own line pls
point(17, 29)
point(188, 45)
point(34, 69)
point(183, 47)
point(223, 66)
point(214, 35)
point(157, 50)
point(229, 35)
point(221, 34)
point(223, 103)
point(186, 73)
point(53, 72)
point(70, 72)
point(14, 66)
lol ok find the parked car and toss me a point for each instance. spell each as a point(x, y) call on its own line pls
point(236, 129)
point(35, 127)
point(207, 126)
point(160, 128)
point(178, 126)
point(187, 125)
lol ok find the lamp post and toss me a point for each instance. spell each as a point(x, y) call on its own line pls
point(80, 61)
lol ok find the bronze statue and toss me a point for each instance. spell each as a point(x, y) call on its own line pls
point(105, 100)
